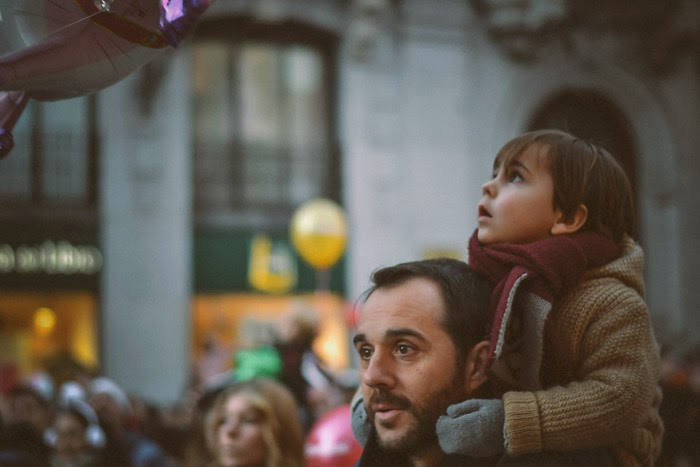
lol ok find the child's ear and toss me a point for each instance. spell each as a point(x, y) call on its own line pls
point(477, 362)
point(563, 226)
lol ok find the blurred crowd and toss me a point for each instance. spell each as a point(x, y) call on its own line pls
point(276, 405)
point(680, 407)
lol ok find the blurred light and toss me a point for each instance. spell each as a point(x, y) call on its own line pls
point(330, 348)
point(44, 320)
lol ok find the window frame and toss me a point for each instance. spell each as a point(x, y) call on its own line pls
point(238, 29)
point(41, 206)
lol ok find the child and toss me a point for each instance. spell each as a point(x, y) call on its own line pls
point(572, 342)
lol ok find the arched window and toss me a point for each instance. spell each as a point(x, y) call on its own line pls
point(263, 119)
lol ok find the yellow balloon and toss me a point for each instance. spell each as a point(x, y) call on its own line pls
point(319, 232)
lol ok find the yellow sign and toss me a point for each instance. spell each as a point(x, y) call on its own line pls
point(271, 267)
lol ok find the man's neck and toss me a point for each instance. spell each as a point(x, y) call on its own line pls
point(424, 456)
point(431, 457)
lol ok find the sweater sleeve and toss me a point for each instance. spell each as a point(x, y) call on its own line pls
point(611, 384)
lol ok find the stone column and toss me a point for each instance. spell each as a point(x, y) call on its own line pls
point(146, 229)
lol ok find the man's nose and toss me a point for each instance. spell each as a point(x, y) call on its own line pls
point(379, 371)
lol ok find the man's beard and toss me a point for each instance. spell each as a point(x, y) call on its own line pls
point(419, 434)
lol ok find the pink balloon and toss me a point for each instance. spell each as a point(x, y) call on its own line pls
point(70, 48)
point(330, 443)
point(74, 48)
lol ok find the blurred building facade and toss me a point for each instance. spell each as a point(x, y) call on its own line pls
point(393, 108)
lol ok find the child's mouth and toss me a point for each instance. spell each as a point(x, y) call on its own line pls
point(483, 212)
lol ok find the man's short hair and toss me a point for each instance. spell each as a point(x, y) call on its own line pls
point(465, 294)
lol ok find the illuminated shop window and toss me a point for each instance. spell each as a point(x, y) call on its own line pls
point(51, 331)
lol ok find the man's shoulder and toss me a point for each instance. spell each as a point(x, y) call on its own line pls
point(377, 459)
point(455, 460)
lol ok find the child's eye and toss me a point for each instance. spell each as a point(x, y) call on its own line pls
point(515, 177)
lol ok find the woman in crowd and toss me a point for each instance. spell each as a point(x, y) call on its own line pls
point(255, 423)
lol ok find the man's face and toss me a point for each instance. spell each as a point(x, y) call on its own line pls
point(408, 364)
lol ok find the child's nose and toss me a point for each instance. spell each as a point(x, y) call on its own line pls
point(489, 188)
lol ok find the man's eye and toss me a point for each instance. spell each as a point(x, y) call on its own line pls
point(365, 353)
point(404, 349)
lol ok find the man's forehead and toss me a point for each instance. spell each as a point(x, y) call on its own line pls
point(389, 334)
point(413, 307)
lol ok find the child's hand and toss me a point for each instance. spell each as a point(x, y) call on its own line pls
point(473, 428)
point(361, 426)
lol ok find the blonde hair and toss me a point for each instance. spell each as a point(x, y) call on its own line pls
point(282, 430)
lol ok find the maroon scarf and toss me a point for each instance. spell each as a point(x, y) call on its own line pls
point(546, 269)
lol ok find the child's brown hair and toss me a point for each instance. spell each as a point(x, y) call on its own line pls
point(583, 173)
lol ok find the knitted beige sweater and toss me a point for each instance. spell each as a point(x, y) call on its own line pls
point(600, 368)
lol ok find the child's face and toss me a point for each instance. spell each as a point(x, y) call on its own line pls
point(517, 203)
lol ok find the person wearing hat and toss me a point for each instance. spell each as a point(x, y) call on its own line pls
point(75, 435)
point(123, 444)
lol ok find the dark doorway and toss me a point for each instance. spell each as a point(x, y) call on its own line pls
point(593, 117)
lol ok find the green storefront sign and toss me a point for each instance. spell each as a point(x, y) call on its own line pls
point(222, 261)
point(67, 257)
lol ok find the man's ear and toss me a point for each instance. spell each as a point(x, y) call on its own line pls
point(563, 226)
point(476, 364)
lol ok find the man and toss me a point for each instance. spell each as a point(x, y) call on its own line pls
point(421, 339)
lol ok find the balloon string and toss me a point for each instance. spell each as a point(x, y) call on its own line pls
point(66, 26)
